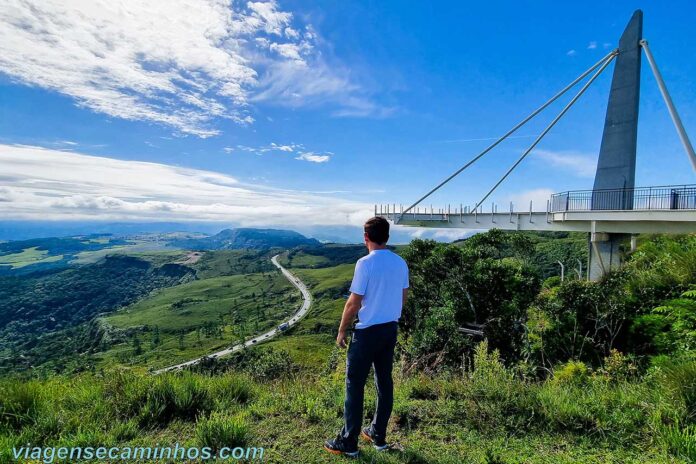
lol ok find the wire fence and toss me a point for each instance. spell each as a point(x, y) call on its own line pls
point(671, 197)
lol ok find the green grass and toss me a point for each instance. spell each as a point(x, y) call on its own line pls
point(27, 257)
point(303, 260)
point(476, 417)
point(200, 317)
point(231, 262)
point(327, 280)
point(146, 250)
point(311, 341)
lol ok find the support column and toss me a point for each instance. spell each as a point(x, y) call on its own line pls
point(604, 253)
point(616, 166)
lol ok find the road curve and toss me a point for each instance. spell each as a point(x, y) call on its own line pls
point(306, 303)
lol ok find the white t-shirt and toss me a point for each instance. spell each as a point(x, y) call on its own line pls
point(380, 278)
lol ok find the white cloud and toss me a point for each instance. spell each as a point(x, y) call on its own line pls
point(40, 183)
point(182, 63)
point(592, 45)
point(298, 148)
point(571, 52)
point(538, 197)
point(579, 164)
point(313, 157)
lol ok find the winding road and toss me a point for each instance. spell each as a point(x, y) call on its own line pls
point(306, 303)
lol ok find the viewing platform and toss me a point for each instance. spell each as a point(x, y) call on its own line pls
point(662, 209)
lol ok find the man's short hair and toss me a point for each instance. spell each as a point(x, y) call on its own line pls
point(377, 230)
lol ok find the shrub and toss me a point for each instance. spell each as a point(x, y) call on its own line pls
point(221, 430)
point(272, 364)
point(618, 366)
point(488, 368)
point(572, 372)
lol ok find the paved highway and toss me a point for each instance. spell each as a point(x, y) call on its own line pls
point(306, 303)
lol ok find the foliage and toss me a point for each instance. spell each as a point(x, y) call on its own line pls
point(483, 280)
point(670, 327)
point(572, 372)
point(263, 363)
point(32, 306)
point(579, 320)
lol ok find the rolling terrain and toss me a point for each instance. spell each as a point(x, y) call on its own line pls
point(569, 372)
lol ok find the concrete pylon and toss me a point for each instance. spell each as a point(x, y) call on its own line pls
point(616, 166)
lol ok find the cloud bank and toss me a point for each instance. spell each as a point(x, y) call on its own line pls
point(181, 63)
point(43, 184)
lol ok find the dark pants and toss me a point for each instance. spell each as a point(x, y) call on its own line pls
point(372, 346)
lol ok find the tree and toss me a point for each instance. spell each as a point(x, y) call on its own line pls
point(181, 341)
point(155, 338)
point(481, 281)
point(137, 346)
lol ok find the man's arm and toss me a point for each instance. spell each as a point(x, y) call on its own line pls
point(349, 311)
point(404, 297)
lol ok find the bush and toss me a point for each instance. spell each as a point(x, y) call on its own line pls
point(618, 366)
point(572, 372)
point(221, 430)
point(272, 364)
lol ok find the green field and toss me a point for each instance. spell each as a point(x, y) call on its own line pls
point(190, 320)
point(138, 248)
point(301, 260)
point(311, 341)
point(27, 257)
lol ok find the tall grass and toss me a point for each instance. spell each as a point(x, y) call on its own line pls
point(653, 413)
point(222, 430)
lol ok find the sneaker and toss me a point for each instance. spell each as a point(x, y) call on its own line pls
point(368, 435)
point(339, 446)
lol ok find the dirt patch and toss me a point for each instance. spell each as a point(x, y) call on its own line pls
point(191, 258)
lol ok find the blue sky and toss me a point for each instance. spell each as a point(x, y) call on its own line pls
point(327, 107)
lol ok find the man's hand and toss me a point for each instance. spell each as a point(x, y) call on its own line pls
point(349, 311)
point(341, 339)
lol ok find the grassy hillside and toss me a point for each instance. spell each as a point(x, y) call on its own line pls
point(311, 341)
point(325, 256)
point(245, 238)
point(572, 372)
point(28, 257)
point(48, 318)
point(193, 319)
point(485, 416)
point(38, 312)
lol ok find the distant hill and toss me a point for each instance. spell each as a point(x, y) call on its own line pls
point(230, 239)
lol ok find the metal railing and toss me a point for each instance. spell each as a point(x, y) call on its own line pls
point(669, 197)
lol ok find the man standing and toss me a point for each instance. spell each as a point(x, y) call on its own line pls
point(377, 295)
